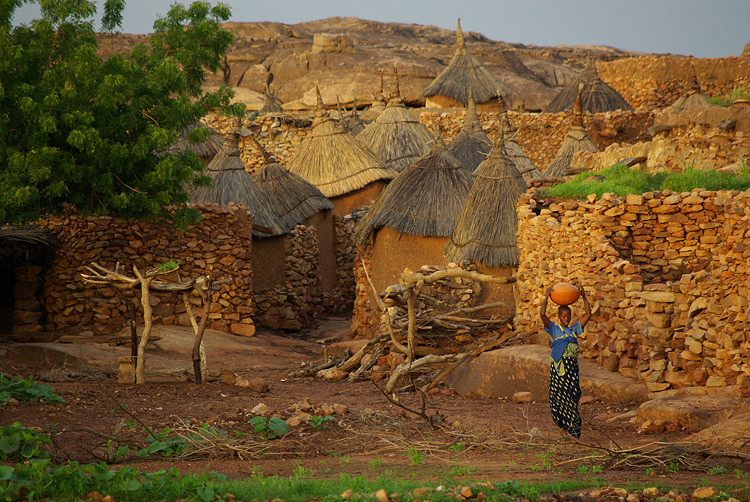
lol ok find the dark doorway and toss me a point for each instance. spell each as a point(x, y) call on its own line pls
point(7, 285)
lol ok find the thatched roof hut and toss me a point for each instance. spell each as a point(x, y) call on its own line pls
point(575, 141)
point(334, 161)
point(232, 183)
point(292, 197)
point(396, 136)
point(692, 99)
point(464, 73)
point(486, 228)
point(206, 150)
point(471, 145)
point(425, 199)
point(409, 224)
point(297, 202)
point(596, 97)
point(513, 150)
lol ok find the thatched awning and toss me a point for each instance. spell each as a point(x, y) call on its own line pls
point(486, 228)
point(232, 183)
point(334, 161)
point(465, 73)
point(424, 199)
point(205, 150)
point(596, 97)
point(24, 244)
point(471, 145)
point(396, 136)
point(292, 198)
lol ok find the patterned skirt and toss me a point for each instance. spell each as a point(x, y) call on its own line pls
point(564, 394)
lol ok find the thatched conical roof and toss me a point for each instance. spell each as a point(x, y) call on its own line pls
point(292, 198)
point(692, 99)
point(471, 145)
point(486, 228)
point(232, 183)
point(205, 150)
point(575, 141)
point(396, 136)
point(514, 151)
point(424, 199)
point(335, 161)
point(597, 96)
point(465, 73)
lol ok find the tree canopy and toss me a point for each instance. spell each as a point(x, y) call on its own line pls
point(83, 132)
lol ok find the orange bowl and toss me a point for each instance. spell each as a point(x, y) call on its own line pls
point(564, 293)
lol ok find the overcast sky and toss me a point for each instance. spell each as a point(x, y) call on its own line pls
point(701, 28)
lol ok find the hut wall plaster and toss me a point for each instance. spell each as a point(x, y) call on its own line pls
point(221, 240)
point(365, 196)
point(394, 251)
point(667, 275)
point(492, 293)
point(268, 262)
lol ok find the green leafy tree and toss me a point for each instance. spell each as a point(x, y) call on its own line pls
point(78, 131)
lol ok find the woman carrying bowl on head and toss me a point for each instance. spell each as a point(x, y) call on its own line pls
point(564, 387)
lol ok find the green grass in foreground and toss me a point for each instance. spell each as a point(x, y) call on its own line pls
point(622, 181)
point(39, 480)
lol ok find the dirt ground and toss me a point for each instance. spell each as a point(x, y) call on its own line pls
point(470, 439)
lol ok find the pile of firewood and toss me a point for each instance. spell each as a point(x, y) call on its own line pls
point(422, 336)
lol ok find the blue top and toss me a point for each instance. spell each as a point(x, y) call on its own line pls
point(561, 337)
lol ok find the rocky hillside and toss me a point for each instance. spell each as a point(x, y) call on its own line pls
point(344, 56)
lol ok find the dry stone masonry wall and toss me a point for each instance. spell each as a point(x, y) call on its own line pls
point(298, 302)
point(667, 274)
point(346, 254)
point(648, 82)
point(221, 241)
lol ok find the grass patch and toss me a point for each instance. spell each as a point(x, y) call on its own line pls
point(621, 180)
point(39, 480)
point(738, 92)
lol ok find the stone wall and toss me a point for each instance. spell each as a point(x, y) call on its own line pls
point(346, 254)
point(297, 302)
point(541, 134)
point(667, 275)
point(693, 138)
point(648, 82)
point(222, 241)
